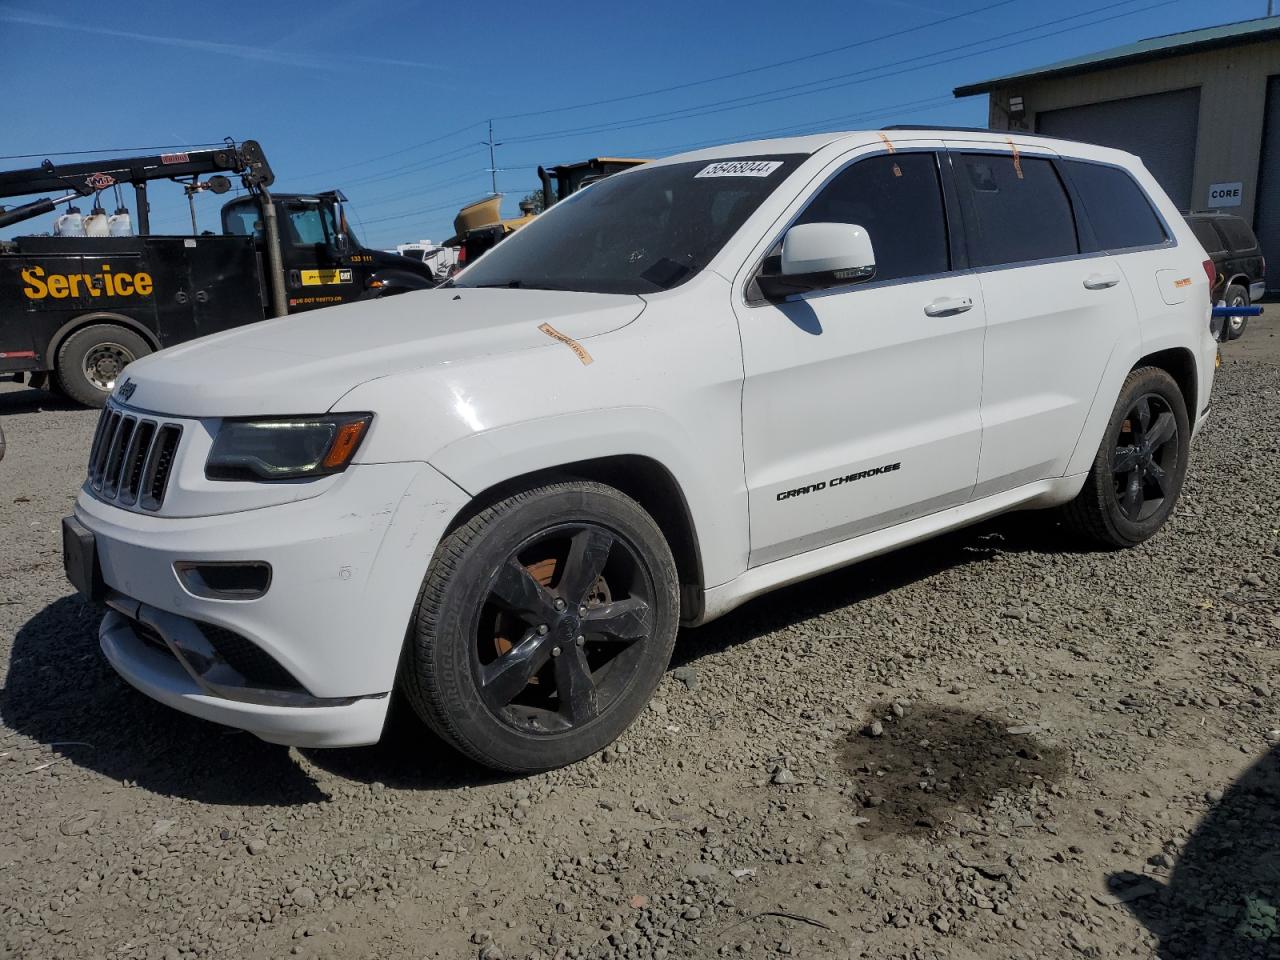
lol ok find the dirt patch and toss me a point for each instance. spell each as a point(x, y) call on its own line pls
point(915, 766)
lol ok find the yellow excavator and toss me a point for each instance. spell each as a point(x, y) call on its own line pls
point(479, 226)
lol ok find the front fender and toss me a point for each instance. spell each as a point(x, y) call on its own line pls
point(483, 460)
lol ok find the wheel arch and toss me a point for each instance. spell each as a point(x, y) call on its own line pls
point(1179, 363)
point(83, 320)
point(643, 478)
point(1239, 280)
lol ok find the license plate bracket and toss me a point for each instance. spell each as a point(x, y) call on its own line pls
point(80, 559)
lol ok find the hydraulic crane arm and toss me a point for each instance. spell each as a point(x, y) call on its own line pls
point(245, 159)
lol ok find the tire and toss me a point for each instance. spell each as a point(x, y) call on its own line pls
point(1150, 459)
point(90, 360)
point(1236, 296)
point(548, 685)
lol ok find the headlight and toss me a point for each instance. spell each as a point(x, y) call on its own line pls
point(290, 448)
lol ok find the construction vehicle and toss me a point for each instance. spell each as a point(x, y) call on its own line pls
point(479, 226)
point(76, 309)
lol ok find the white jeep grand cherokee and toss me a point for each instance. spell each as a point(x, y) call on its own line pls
point(691, 383)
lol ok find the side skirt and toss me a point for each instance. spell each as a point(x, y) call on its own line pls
point(719, 600)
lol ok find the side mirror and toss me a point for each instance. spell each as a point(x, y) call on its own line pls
point(816, 256)
point(341, 244)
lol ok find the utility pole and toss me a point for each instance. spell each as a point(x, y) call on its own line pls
point(493, 165)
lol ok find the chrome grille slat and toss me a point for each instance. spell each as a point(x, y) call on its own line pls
point(132, 458)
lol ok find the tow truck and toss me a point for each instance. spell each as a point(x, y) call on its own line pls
point(75, 310)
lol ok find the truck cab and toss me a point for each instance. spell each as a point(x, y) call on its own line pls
point(324, 262)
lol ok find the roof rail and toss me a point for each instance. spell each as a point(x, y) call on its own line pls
point(1008, 133)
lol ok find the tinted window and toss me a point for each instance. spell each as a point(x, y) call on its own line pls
point(309, 224)
point(648, 229)
point(1239, 237)
point(897, 199)
point(1207, 236)
point(1020, 207)
point(1120, 213)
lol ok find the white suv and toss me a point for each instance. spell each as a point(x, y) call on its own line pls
point(691, 383)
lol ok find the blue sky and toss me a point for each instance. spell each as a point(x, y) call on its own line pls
point(389, 101)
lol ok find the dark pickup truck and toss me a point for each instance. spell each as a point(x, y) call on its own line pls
point(1237, 258)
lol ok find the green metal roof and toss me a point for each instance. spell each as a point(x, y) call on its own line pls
point(1153, 48)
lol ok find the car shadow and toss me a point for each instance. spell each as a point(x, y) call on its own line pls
point(1025, 532)
point(61, 693)
point(1222, 900)
point(31, 400)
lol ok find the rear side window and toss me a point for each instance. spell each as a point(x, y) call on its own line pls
point(1020, 209)
point(897, 199)
point(1208, 237)
point(1239, 237)
point(1119, 211)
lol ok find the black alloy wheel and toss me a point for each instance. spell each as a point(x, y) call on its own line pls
point(1133, 484)
point(563, 629)
point(1146, 457)
point(544, 624)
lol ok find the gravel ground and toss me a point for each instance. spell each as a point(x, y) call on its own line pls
point(992, 745)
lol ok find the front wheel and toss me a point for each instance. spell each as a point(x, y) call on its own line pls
point(543, 626)
point(1138, 472)
point(92, 359)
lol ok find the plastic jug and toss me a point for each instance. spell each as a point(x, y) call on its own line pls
point(119, 224)
point(70, 224)
point(95, 224)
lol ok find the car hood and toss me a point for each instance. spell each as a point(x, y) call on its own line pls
point(306, 362)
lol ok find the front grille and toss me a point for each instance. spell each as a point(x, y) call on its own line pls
point(132, 458)
point(246, 658)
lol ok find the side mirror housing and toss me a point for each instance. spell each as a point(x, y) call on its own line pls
point(819, 255)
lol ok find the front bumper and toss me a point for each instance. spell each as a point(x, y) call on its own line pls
point(1257, 290)
point(162, 676)
point(346, 569)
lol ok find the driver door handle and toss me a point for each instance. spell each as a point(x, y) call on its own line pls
point(945, 306)
point(1101, 281)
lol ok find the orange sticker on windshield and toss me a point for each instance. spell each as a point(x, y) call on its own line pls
point(579, 350)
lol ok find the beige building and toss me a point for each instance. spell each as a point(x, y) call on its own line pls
point(1201, 108)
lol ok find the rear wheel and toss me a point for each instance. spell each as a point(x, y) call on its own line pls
point(1236, 296)
point(543, 626)
point(92, 359)
point(1137, 474)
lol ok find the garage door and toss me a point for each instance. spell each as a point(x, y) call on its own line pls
point(1160, 128)
point(1266, 217)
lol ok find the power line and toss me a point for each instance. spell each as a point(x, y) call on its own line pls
point(681, 86)
point(396, 153)
point(444, 205)
point(439, 160)
point(767, 66)
point(826, 83)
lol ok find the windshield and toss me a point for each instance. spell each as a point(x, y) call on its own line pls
point(638, 232)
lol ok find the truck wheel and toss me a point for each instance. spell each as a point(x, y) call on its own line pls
point(1236, 296)
point(90, 361)
point(1136, 477)
point(543, 626)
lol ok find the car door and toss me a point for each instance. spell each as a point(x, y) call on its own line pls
point(314, 274)
point(1053, 315)
point(860, 402)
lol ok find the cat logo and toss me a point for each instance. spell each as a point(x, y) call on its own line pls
point(60, 286)
point(321, 278)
